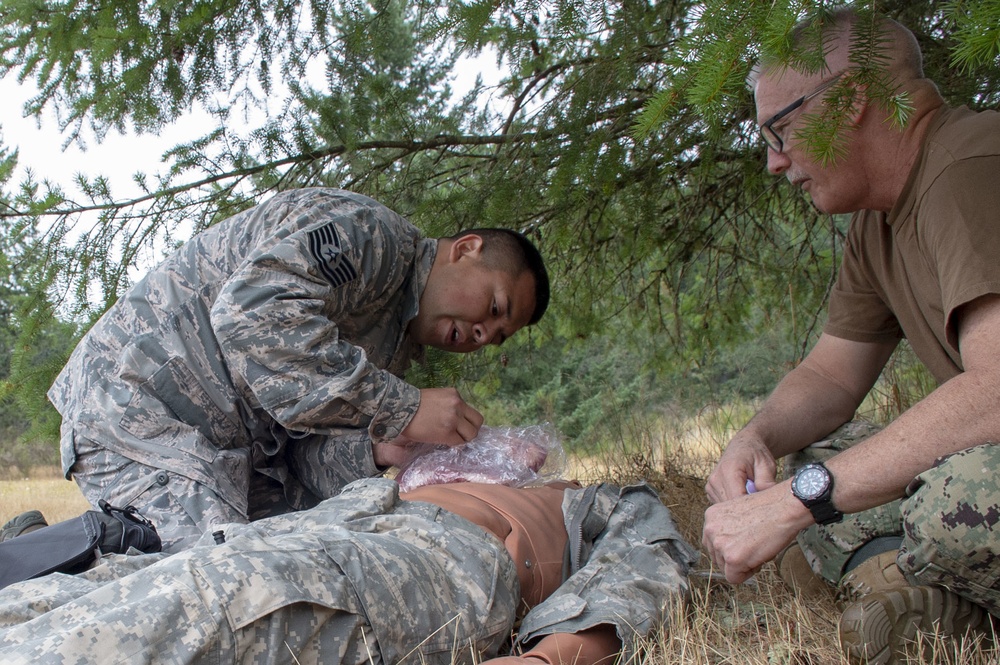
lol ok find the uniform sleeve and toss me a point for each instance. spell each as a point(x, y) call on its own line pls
point(638, 566)
point(281, 319)
point(964, 243)
point(325, 466)
point(857, 310)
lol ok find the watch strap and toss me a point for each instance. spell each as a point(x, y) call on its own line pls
point(824, 512)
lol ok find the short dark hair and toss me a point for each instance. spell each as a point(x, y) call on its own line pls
point(512, 252)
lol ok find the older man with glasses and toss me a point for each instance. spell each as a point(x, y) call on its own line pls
point(771, 134)
point(903, 518)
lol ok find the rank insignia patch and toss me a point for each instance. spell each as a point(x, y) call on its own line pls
point(324, 244)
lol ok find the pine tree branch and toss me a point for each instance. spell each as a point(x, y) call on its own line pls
point(407, 147)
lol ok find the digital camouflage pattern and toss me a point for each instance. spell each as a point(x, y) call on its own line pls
point(948, 521)
point(626, 563)
point(270, 341)
point(360, 578)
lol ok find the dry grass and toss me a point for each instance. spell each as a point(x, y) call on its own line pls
point(45, 490)
point(759, 622)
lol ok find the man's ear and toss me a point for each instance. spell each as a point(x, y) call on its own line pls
point(467, 246)
point(859, 104)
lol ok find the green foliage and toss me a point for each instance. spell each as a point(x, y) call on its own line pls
point(621, 137)
point(976, 32)
point(588, 387)
point(904, 382)
point(34, 344)
point(576, 386)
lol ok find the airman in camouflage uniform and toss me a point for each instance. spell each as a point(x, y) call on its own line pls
point(364, 577)
point(254, 370)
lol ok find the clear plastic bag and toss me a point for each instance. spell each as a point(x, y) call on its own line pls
point(514, 456)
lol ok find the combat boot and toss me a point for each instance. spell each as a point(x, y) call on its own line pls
point(879, 573)
point(882, 627)
point(23, 523)
point(798, 575)
point(883, 612)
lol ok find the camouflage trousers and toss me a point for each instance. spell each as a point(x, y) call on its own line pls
point(180, 508)
point(361, 579)
point(947, 521)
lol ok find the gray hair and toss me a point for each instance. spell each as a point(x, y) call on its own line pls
point(841, 31)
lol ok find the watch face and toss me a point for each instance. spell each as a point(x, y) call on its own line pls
point(810, 482)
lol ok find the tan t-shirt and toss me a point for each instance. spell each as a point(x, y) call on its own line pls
point(906, 273)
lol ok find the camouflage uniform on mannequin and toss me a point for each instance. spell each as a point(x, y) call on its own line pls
point(368, 578)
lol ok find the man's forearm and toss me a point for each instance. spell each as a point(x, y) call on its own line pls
point(960, 414)
point(802, 409)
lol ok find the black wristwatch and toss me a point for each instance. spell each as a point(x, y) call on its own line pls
point(813, 486)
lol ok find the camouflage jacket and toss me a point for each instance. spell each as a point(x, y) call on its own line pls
point(281, 328)
point(429, 587)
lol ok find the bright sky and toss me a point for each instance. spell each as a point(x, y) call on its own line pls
point(119, 157)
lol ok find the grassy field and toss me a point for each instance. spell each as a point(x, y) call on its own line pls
point(45, 490)
point(759, 622)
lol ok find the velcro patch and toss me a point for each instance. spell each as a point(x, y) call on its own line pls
point(324, 245)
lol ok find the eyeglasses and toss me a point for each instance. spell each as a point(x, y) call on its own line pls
point(771, 138)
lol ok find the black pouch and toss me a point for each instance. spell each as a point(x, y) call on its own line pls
point(73, 545)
